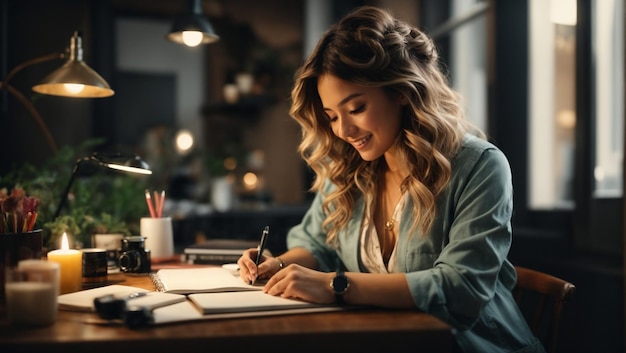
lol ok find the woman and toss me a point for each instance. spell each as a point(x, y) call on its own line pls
point(411, 201)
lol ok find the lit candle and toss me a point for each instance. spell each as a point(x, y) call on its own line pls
point(70, 262)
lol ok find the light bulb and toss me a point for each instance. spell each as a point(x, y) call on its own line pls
point(192, 38)
point(74, 88)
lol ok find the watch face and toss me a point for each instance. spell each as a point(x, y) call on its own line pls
point(340, 284)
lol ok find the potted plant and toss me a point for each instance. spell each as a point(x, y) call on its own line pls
point(63, 224)
point(20, 239)
point(105, 223)
point(119, 195)
point(18, 211)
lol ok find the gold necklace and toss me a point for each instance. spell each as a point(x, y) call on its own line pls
point(390, 222)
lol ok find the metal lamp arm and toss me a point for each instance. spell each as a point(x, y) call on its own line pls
point(4, 85)
point(28, 63)
point(68, 186)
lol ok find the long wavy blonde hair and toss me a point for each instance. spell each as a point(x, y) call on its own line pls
point(369, 47)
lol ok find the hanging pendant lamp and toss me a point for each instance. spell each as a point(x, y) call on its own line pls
point(75, 78)
point(192, 28)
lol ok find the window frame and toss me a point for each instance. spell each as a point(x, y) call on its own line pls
point(594, 225)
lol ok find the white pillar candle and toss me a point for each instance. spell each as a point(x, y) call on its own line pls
point(31, 293)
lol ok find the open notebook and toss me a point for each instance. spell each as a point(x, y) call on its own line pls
point(84, 300)
point(200, 280)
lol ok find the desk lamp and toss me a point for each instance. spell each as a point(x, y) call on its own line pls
point(192, 28)
point(118, 162)
point(73, 79)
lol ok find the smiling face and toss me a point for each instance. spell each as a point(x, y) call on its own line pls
point(365, 117)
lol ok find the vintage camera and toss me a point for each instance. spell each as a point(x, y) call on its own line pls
point(134, 258)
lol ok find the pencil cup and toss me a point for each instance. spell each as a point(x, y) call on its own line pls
point(32, 288)
point(159, 236)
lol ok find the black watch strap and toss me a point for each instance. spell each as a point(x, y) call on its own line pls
point(339, 299)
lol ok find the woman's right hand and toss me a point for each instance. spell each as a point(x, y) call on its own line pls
point(248, 270)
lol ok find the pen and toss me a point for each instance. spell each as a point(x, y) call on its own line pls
point(260, 249)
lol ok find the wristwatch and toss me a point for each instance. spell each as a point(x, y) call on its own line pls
point(340, 285)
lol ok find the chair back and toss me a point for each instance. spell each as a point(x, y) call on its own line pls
point(541, 297)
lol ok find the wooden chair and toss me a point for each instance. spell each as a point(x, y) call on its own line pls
point(543, 302)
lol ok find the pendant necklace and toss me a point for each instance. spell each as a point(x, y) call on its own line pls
point(390, 222)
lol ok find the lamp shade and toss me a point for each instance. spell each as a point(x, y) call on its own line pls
point(75, 78)
point(193, 28)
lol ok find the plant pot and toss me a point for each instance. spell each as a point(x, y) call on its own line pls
point(15, 247)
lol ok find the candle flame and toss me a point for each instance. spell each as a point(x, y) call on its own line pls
point(64, 243)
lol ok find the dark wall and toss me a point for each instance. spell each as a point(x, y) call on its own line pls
point(30, 29)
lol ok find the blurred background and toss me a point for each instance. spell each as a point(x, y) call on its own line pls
point(543, 78)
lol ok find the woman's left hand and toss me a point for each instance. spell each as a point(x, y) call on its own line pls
point(295, 281)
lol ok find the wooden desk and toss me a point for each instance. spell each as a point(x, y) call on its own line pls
point(352, 331)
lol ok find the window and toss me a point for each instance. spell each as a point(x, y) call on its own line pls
point(576, 124)
point(608, 58)
point(555, 103)
point(468, 59)
point(552, 106)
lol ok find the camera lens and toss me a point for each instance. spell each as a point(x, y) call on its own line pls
point(130, 261)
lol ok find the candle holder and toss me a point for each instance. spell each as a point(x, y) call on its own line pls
point(15, 247)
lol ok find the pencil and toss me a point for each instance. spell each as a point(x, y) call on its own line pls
point(149, 202)
point(157, 203)
point(161, 202)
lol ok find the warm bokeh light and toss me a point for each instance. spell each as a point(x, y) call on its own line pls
point(566, 119)
point(230, 163)
point(192, 38)
point(184, 141)
point(250, 180)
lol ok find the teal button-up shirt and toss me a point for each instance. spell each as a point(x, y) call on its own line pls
point(459, 270)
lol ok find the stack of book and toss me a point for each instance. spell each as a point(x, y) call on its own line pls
point(218, 251)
